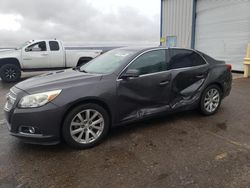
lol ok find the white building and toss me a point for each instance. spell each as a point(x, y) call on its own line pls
point(220, 28)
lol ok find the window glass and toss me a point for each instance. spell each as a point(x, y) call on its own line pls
point(37, 47)
point(54, 46)
point(23, 45)
point(181, 58)
point(150, 62)
point(107, 62)
point(208, 58)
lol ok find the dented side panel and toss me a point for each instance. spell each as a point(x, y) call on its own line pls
point(187, 85)
point(143, 96)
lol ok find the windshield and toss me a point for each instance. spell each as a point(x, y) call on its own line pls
point(22, 45)
point(108, 62)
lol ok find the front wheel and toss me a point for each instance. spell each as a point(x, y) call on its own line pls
point(210, 100)
point(85, 126)
point(10, 73)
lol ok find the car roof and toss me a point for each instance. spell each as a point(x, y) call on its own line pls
point(40, 40)
point(145, 48)
point(141, 48)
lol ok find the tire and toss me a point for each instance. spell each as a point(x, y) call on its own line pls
point(210, 100)
point(10, 73)
point(77, 126)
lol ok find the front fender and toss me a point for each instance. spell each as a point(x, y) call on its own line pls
point(10, 56)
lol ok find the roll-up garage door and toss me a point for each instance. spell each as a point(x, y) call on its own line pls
point(223, 29)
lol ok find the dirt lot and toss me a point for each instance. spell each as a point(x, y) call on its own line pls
point(182, 150)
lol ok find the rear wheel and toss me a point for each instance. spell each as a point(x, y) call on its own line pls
point(85, 126)
point(10, 73)
point(210, 100)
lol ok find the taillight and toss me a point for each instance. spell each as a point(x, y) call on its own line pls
point(229, 67)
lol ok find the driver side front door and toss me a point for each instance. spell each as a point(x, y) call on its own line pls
point(147, 94)
point(35, 56)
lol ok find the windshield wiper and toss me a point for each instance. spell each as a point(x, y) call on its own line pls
point(76, 68)
point(83, 71)
point(79, 69)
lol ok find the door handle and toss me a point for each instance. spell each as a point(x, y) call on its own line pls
point(45, 54)
point(200, 76)
point(165, 82)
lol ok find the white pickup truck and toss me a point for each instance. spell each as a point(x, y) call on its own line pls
point(38, 55)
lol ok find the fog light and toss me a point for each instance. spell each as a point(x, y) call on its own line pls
point(29, 130)
point(32, 130)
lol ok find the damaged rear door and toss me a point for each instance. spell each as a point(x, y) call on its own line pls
point(148, 93)
point(189, 72)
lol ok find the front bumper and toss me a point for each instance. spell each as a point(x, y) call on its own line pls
point(36, 139)
point(46, 119)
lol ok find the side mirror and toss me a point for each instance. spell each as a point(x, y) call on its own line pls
point(130, 73)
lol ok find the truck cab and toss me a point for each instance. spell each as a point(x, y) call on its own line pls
point(37, 55)
point(43, 54)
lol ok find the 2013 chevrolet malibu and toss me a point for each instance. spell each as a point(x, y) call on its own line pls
point(124, 85)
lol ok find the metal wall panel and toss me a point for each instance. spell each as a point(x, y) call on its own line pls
point(223, 29)
point(177, 21)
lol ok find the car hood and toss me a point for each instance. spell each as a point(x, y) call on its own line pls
point(57, 80)
point(9, 53)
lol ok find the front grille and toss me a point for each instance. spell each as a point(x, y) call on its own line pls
point(10, 100)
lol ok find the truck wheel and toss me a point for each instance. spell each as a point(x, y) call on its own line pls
point(10, 73)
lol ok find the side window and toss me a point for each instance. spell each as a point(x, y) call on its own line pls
point(150, 62)
point(197, 59)
point(37, 47)
point(54, 46)
point(181, 58)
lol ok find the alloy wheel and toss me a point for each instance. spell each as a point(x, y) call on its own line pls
point(87, 126)
point(10, 73)
point(212, 100)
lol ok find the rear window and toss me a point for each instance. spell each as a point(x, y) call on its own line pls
point(207, 57)
point(54, 46)
point(182, 58)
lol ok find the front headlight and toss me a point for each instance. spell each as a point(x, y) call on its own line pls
point(39, 99)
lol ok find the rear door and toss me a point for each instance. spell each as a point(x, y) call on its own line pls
point(56, 55)
point(147, 94)
point(35, 56)
point(189, 72)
